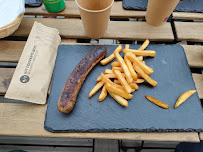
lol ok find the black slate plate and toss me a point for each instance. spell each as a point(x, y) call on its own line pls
point(172, 74)
point(183, 6)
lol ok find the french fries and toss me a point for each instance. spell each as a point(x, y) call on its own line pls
point(125, 75)
point(119, 99)
point(115, 64)
point(95, 89)
point(123, 81)
point(108, 71)
point(109, 75)
point(111, 57)
point(118, 68)
point(111, 88)
point(124, 66)
point(130, 67)
point(144, 75)
point(143, 66)
point(142, 53)
point(157, 102)
point(184, 97)
point(103, 94)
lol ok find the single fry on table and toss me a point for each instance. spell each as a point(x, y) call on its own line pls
point(157, 102)
point(123, 81)
point(103, 94)
point(111, 57)
point(96, 88)
point(184, 97)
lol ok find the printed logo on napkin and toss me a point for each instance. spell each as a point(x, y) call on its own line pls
point(33, 73)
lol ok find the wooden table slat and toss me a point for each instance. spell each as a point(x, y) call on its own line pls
point(73, 28)
point(71, 10)
point(188, 15)
point(189, 31)
point(28, 120)
point(10, 51)
point(201, 135)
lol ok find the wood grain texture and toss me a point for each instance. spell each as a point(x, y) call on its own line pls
point(194, 55)
point(73, 28)
point(28, 120)
point(188, 15)
point(71, 10)
point(201, 135)
point(189, 31)
point(198, 79)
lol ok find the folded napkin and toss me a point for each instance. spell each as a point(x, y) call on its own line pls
point(10, 10)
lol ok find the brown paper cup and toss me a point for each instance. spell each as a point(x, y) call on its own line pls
point(95, 16)
point(158, 11)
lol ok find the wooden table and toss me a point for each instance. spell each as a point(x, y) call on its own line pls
point(28, 119)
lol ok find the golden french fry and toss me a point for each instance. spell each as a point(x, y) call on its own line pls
point(130, 67)
point(111, 57)
point(118, 68)
point(115, 64)
point(119, 99)
point(108, 71)
point(107, 80)
point(115, 90)
point(142, 53)
point(96, 88)
point(117, 81)
point(143, 62)
point(109, 75)
point(133, 90)
point(139, 81)
point(144, 45)
point(144, 75)
point(134, 86)
point(103, 94)
point(127, 46)
point(124, 66)
point(124, 83)
point(139, 76)
point(184, 97)
point(143, 66)
point(157, 102)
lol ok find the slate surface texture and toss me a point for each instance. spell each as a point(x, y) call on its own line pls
point(184, 6)
point(172, 73)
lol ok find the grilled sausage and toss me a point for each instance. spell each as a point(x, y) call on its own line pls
point(74, 82)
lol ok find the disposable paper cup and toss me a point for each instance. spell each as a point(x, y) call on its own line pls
point(158, 11)
point(95, 16)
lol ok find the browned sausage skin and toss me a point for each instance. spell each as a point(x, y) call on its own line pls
point(74, 82)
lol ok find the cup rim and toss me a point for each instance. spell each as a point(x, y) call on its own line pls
point(94, 11)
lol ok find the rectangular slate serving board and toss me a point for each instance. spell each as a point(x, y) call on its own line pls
point(172, 73)
point(184, 6)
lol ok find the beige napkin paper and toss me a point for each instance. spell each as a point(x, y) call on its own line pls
point(33, 73)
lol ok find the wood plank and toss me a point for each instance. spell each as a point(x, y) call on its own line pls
point(71, 10)
point(201, 135)
point(189, 31)
point(6, 75)
point(28, 120)
point(198, 79)
point(7, 148)
point(194, 55)
point(45, 141)
point(188, 15)
point(73, 28)
point(103, 145)
point(10, 51)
